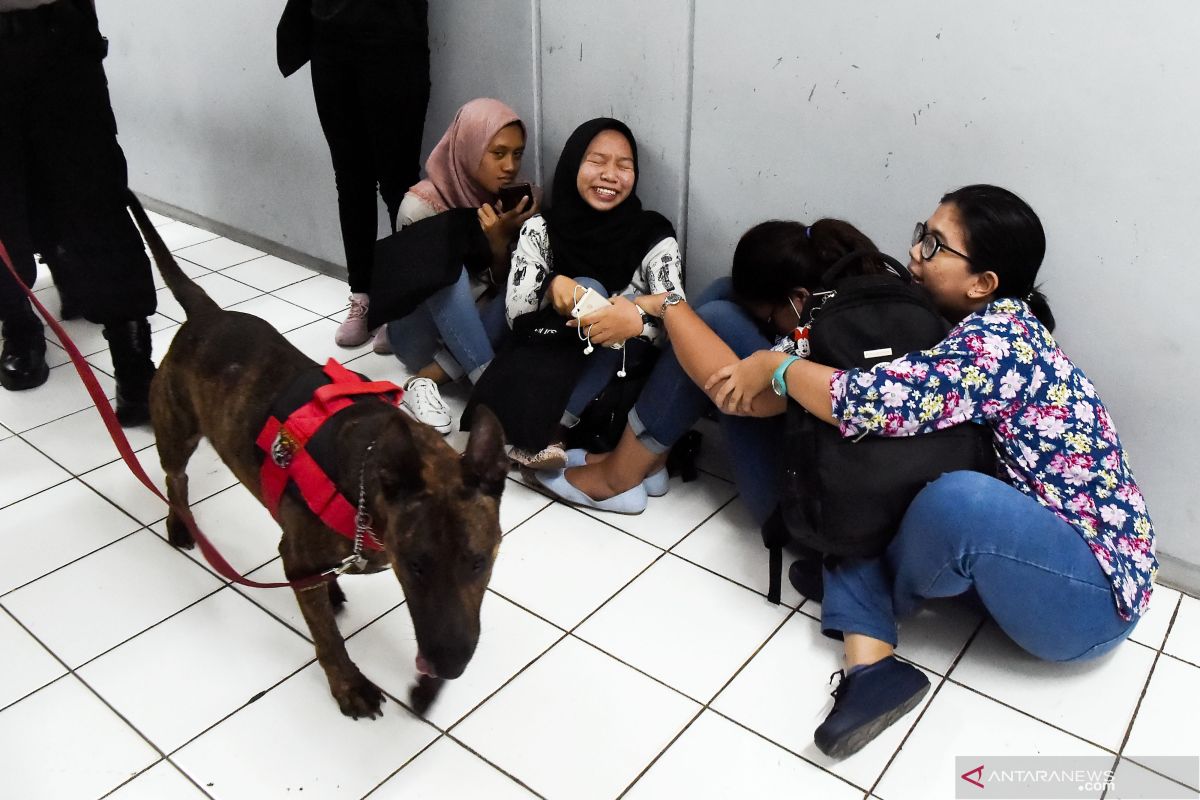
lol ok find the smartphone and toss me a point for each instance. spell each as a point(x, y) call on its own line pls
point(589, 302)
point(510, 196)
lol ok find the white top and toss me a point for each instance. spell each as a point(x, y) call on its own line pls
point(412, 209)
point(661, 270)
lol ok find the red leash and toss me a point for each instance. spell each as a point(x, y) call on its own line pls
point(218, 562)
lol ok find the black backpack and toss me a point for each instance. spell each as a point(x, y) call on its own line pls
point(846, 497)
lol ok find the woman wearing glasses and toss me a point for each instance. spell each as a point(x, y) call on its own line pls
point(1060, 550)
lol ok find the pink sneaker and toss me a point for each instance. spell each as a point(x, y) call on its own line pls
point(353, 331)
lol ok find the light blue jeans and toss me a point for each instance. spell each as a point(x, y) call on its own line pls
point(1033, 572)
point(670, 404)
point(450, 317)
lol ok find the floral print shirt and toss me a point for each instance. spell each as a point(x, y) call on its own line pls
point(1055, 440)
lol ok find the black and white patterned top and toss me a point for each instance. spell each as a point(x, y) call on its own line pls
point(661, 270)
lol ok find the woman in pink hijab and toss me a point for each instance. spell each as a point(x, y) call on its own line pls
point(450, 335)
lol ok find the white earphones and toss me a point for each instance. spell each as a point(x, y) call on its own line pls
point(586, 336)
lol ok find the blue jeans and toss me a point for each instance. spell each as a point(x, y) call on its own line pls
point(450, 316)
point(670, 404)
point(602, 366)
point(1035, 574)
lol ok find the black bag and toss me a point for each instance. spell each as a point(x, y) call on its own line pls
point(846, 497)
point(603, 420)
point(422, 258)
point(293, 37)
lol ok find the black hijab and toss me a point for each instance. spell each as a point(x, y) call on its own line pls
point(606, 245)
point(543, 359)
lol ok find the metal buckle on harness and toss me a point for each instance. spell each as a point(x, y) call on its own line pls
point(348, 563)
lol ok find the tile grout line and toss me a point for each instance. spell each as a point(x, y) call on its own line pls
point(707, 706)
point(1159, 653)
point(937, 690)
point(70, 673)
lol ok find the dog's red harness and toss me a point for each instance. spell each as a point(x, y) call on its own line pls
point(288, 459)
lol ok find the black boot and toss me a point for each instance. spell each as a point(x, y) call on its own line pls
point(23, 359)
point(129, 344)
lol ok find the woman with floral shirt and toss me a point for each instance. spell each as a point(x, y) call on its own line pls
point(1060, 550)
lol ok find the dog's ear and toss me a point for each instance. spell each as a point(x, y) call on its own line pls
point(484, 463)
point(397, 462)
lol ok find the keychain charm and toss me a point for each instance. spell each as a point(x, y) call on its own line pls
point(800, 337)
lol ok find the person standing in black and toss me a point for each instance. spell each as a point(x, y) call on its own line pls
point(370, 76)
point(63, 194)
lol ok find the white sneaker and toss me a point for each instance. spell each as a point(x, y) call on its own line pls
point(424, 403)
point(353, 331)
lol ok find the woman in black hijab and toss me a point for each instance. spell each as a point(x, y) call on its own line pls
point(596, 236)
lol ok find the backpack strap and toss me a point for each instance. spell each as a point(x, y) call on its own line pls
point(775, 535)
point(832, 274)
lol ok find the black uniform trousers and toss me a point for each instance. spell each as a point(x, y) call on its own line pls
point(63, 177)
point(370, 76)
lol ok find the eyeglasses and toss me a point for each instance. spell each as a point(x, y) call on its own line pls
point(930, 244)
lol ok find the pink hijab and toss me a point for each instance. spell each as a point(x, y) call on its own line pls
point(451, 166)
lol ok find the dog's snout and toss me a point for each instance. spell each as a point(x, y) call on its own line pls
point(450, 662)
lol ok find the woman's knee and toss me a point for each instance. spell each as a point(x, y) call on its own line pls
point(949, 510)
point(719, 289)
point(592, 283)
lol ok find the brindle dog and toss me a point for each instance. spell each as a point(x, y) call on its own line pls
point(435, 513)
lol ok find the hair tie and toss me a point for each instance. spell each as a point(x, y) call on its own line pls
point(1029, 297)
point(808, 232)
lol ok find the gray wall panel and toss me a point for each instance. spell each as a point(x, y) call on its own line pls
point(482, 48)
point(871, 110)
point(625, 59)
point(209, 125)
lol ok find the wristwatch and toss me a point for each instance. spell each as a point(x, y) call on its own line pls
point(778, 379)
point(672, 299)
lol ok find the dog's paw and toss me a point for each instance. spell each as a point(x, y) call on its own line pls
point(359, 698)
point(178, 533)
point(422, 694)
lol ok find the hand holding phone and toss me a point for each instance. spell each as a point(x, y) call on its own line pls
point(510, 196)
point(589, 302)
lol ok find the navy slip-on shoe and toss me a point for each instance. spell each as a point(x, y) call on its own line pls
point(866, 702)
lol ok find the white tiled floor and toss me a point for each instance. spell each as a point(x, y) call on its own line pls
point(629, 656)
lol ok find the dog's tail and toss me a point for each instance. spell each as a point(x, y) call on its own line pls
point(193, 299)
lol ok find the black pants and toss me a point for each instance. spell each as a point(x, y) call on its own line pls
point(371, 83)
point(63, 177)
